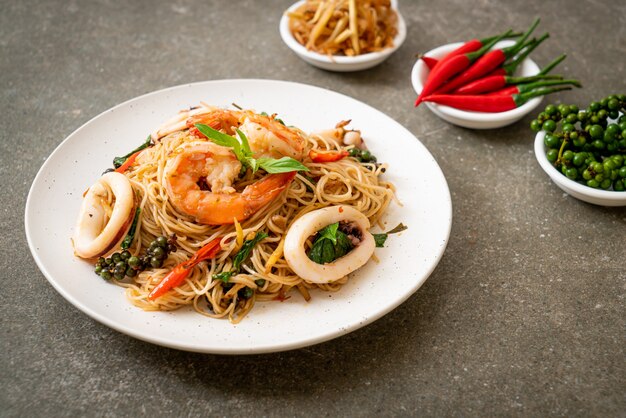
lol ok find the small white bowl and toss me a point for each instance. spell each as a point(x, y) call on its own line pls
point(573, 188)
point(340, 63)
point(474, 120)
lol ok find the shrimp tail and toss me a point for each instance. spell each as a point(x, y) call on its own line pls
point(223, 209)
point(261, 193)
point(264, 191)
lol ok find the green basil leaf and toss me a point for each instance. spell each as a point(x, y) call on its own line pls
point(118, 161)
point(323, 252)
point(243, 152)
point(328, 251)
point(253, 163)
point(282, 165)
point(344, 245)
point(244, 143)
point(226, 141)
point(399, 228)
point(240, 257)
point(380, 239)
point(329, 232)
point(128, 240)
point(315, 253)
point(246, 249)
point(217, 137)
point(330, 245)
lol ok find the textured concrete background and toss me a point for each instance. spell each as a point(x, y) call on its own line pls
point(525, 314)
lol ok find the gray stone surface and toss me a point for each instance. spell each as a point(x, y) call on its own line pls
point(525, 314)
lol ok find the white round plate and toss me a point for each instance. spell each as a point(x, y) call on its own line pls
point(377, 288)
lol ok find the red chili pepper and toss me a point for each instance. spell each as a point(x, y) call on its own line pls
point(524, 88)
point(328, 156)
point(483, 85)
point(507, 91)
point(486, 63)
point(466, 48)
point(495, 82)
point(430, 62)
point(448, 67)
point(497, 71)
point(489, 103)
point(181, 271)
point(129, 161)
point(469, 46)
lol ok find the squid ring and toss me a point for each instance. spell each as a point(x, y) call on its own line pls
point(96, 233)
point(311, 223)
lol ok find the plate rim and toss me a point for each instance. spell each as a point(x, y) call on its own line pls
point(256, 349)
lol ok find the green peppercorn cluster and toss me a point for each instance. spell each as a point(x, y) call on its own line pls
point(364, 156)
point(124, 264)
point(590, 146)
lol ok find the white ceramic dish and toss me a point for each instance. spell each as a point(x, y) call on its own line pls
point(571, 187)
point(376, 289)
point(340, 63)
point(467, 119)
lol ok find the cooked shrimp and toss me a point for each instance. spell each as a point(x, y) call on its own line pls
point(198, 161)
point(99, 227)
point(270, 138)
point(219, 119)
point(205, 163)
point(267, 136)
point(314, 221)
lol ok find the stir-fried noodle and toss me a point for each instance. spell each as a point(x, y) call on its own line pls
point(266, 275)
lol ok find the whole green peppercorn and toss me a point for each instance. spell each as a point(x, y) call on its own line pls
point(596, 131)
point(549, 126)
point(550, 109)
